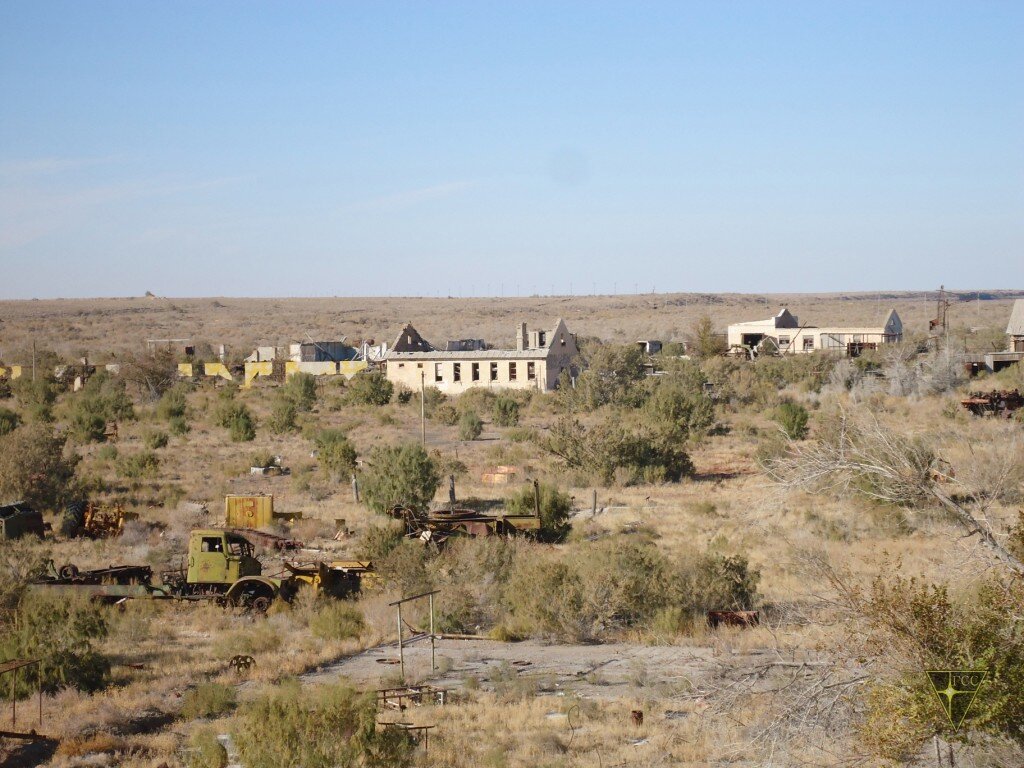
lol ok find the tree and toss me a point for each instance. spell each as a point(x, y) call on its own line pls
point(555, 510)
point(856, 455)
point(369, 389)
point(678, 400)
point(612, 376)
point(706, 343)
point(36, 397)
point(61, 631)
point(470, 426)
point(151, 375)
point(282, 416)
point(400, 475)
point(335, 453)
point(34, 469)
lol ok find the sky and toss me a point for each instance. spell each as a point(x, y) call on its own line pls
point(509, 148)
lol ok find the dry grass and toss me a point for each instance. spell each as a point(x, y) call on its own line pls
point(162, 651)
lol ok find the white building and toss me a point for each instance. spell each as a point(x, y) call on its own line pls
point(784, 333)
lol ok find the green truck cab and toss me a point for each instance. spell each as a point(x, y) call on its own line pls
point(222, 563)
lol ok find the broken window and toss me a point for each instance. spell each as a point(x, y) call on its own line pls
point(475, 372)
point(456, 372)
point(511, 371)
point(494, 371)
point(563, 339)
point(531, 371)
point(541, 338)
point(783, 342)
point(808, 342)
point(438, 376)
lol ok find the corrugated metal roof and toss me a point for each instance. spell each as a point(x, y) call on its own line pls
point(1016, 325)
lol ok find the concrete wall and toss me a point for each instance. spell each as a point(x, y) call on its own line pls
point(442, 374)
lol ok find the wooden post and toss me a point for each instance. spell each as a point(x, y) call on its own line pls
point(433, 666)
point(423, 411)
point(39, 682)
point(14, 700)
point(355, 488)
point(401, 650)
point(536, 498)
point(593, 504)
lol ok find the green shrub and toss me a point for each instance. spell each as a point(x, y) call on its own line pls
point(716, 582)
point(792, 417)
point(369, 389)
point(300, 389)
point(282, 416)
point(432, 398)
point(324, 727)
point(403, 474)
point(470, 426)
point(36, 397)
point(237, 419)
point(179, 426)
point(155, 439)
point(208, 700)
point(335, 453)
point(207, 751)
point(9, 421)
point(62, 632)
point(103, 399)
point(336, 620)
point(173, 403)
point(107, 452)
point(445, 414)
point(34, 468)
point(506, 412)
point(378, 541)
point(139, 465)
point(555, 509)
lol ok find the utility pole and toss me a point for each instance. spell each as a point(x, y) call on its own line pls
point(423, 410)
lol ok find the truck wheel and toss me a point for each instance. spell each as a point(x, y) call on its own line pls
point(262, 604)
point(68, 571)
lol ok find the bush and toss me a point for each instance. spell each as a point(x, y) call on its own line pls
point(208, 700)
point(9, 421)
point(336, 620)
point(326, 727)
point(155, 439)
point(403, 475)
point(173, 403)
point(379, 541)
point(369, 389)
point(61, 631)
point(335, 453)
point(716, 582)
point(300, 389)
point(506, 412)
point(207, 751)
point(610, 451)
point(33, 467)
point(237, 419)
point(470, 426)
point(283, 415)
point(792, 417)
point(178, 426)
point(139, 465)
point(103, 399)
point(36, 397)
point(445, 414)
point(555, 509)
point(678, 401)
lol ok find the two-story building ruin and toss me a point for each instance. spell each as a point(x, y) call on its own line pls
point(537, 362)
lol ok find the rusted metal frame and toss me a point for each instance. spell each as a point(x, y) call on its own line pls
point(13, 666)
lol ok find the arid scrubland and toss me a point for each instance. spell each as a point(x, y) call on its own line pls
point(815, 490)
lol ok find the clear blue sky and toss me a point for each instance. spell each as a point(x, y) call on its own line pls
point(425, 148)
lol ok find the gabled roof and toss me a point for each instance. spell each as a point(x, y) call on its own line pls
point(409, 340)
point(785, 319)
point(1016, 325)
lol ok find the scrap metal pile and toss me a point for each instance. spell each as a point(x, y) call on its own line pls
point(1001, 402)
point(437, 526)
